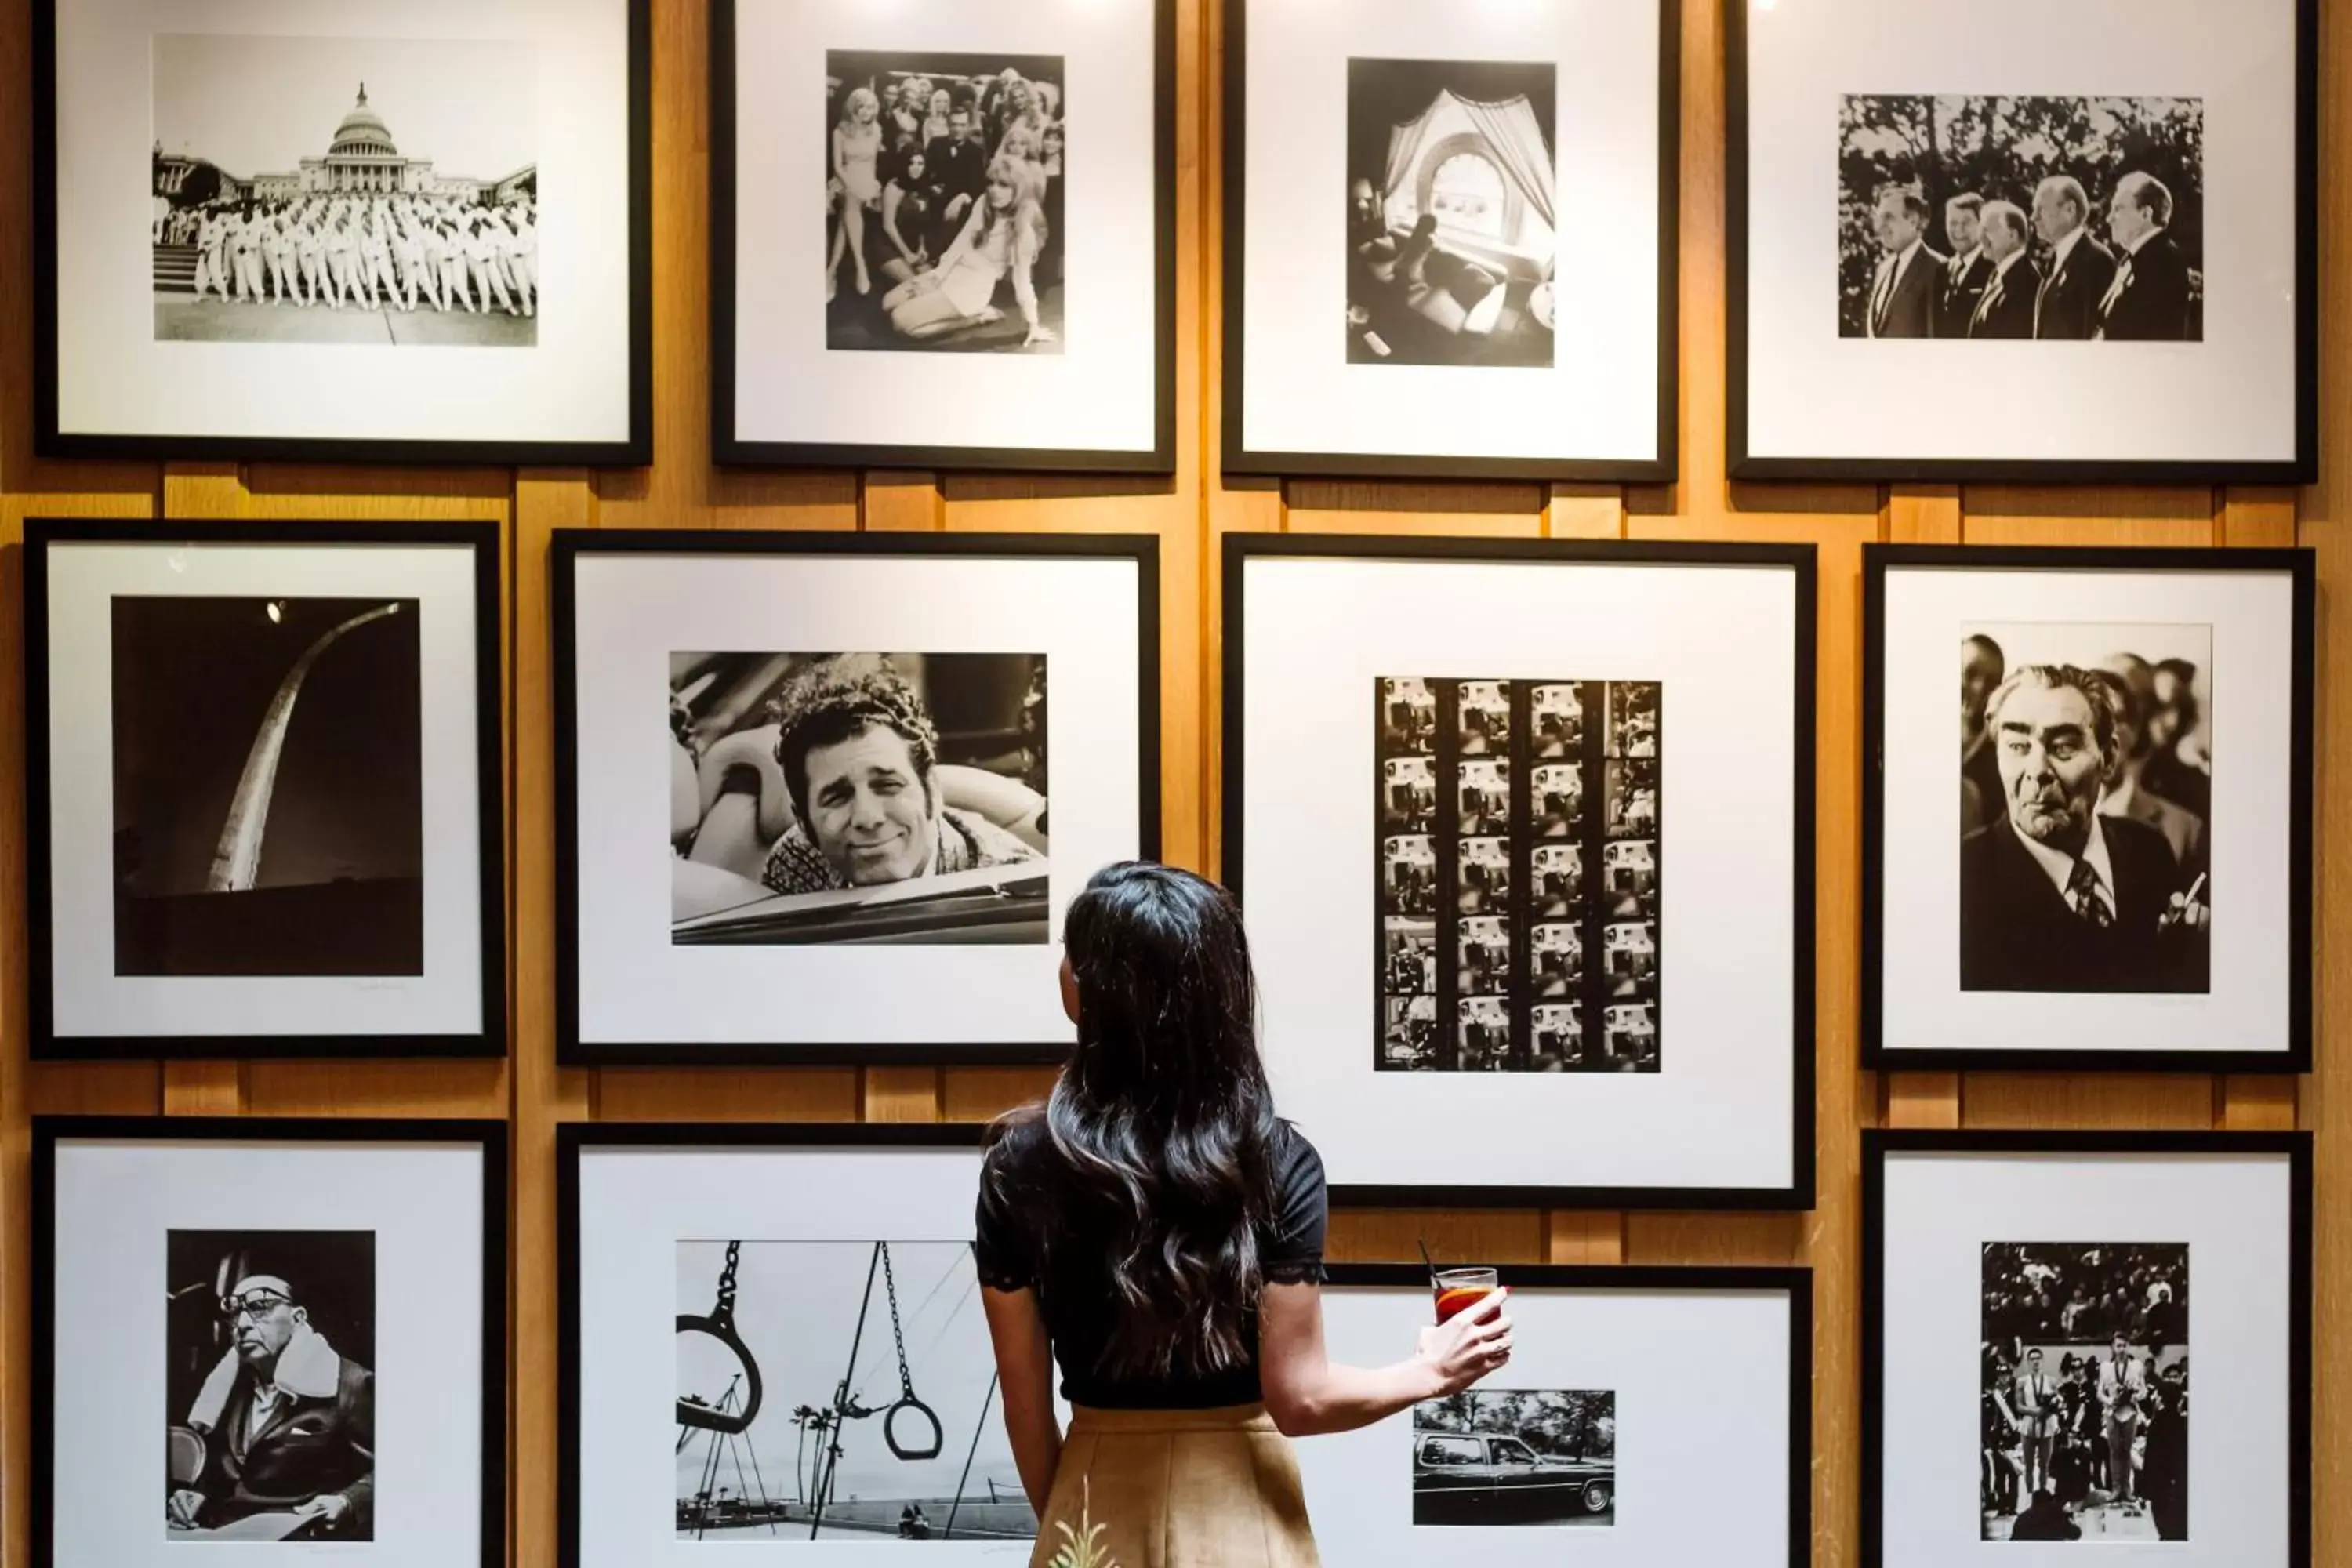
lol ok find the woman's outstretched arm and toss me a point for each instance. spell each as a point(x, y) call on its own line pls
point(1024, 1380)
point(1306, 1393)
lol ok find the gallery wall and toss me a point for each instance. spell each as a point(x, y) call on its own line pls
point(1189, 515)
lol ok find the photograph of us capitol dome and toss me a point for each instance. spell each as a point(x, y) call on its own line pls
point(285, 209)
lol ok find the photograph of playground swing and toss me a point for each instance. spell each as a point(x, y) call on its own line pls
point(839, 1390)
point(774, 1348)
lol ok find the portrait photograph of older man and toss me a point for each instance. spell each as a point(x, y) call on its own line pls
point(2075, 874)
point(2048, 218)
point(854, 796)
point(271, 1432)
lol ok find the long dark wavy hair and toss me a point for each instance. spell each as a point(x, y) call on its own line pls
point(1159, 1130)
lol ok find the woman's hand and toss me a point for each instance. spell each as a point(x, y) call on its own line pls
point(1474, 1343)
point(1037, 334)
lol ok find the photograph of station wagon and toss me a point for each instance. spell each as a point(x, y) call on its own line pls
point(1516, 1456)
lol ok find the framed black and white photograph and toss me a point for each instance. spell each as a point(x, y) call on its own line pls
point(2122, 1320)
point(351, 250)
point(944, 236)
point(312, 1313)
point(885, 765)
point(2090, 260)
point(266, 785)
point(1659, 1416)
point(1450, 241)
point(2129, 884)
point(1505, 811)
point(805, 1303)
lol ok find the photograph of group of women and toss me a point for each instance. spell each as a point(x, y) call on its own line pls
point(943, 196)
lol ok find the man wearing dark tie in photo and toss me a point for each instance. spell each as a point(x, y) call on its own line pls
point(2005, 309)
point(1970, 269)
point(2055, 897)
point(2080, 268)
point(1903, 294)
point(2149, 300)
point(958, 169)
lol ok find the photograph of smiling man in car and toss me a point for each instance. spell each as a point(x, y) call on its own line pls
point(858, 798)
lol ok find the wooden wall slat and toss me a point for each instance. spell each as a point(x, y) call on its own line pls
point(1391, 1236)
point(2088, 1101)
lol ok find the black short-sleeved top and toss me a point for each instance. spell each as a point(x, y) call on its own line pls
point(1074, 1288)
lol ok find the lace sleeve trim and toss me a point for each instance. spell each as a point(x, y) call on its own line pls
point(1299, 1271)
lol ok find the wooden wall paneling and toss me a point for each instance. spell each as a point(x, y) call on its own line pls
point(1584, 1237)
point(543, 1094)
point(1585, 512)
point(1390, 1235)
point(981, 1094)
point(900, 1094)
point(2325, 515)
point(2089, 1100)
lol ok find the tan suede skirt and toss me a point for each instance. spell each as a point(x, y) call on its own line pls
point(1176, 1488)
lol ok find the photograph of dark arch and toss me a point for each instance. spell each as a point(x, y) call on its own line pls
point(269, 786)
point(1452, 236)
point(839, 1390)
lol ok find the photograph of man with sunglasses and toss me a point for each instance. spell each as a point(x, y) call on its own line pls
point(279, 1442)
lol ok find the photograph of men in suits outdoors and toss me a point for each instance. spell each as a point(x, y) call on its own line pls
point(2075, 875)
point(2055, 219)
point(271, 1389)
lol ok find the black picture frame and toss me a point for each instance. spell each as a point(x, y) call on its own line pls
point(568, 545)
point(2302, 469)
point(492, 1137)
point(1239, 458)
point(572, 1138)
point(730, 449)
point(1795, 1282)
point(1878, 1143)
point(1878, 560)
point(1801, 561)
point(50, 441)
point(484, 540)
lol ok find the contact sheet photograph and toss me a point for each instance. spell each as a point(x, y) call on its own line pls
point(265, 789)
point(2123, 1318)
point(1524, 832)
point(887, 762)
point(2090, 260)
point(1658, 1416)
point(795, 1314)
point(311, 1314)
point(348, 253)
point(1450, 241)
point(943, 234)
point(2129, 884)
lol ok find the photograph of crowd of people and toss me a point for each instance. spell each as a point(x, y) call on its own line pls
point(270, 1425)
point(2013, 217)
point(944, 201)
point(1518, 837)
point(2085, 788)
point(824, 797)
point(283, 210)
point(2084, 1399)
point(1452, 238)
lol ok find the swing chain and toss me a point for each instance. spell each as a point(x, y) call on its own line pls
point(723, 1314)
point(890, 1284)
